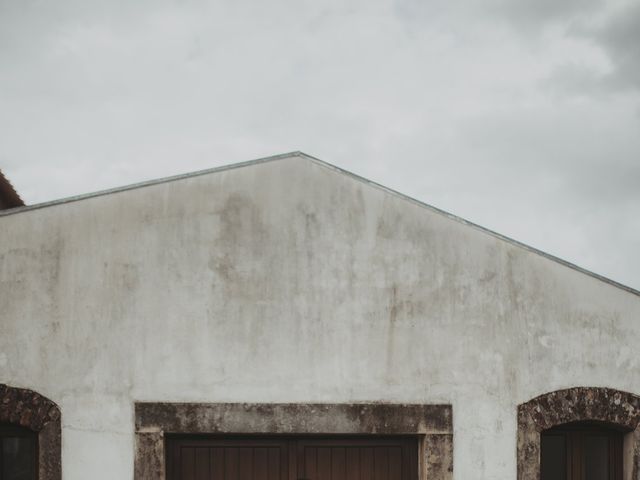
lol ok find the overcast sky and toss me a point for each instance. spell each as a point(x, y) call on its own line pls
point(520, 115)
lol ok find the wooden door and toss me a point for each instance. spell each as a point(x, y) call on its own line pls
point(363, 459)
point(292, 459)
point(581, 452)
point(215, 459)
point(18, 453)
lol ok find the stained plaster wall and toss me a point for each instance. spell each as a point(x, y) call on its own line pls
point(288, 281)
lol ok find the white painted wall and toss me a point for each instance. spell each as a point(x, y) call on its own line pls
point(288, 281)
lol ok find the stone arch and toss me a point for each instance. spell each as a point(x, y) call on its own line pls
point(612, 407)
point(28, 409)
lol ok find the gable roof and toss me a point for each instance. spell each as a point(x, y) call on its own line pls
point(9, 198)
point(297, 154)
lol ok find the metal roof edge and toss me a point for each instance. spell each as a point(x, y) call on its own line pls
point(148, 183)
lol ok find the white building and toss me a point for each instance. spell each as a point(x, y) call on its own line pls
point(283, 318)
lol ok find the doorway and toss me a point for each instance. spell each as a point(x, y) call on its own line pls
point(581, 451)
point(291, 458)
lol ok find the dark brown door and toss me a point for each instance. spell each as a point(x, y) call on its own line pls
point(18, 453)
point(217, 459)
point(292, 459)
point(581, 452)
point(384, 459)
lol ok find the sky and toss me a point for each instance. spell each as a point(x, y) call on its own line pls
point(522, 116)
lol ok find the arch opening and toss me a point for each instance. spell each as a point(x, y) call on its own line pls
point(30, 434)
point(577, 426)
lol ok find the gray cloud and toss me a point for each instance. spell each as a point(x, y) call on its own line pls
point(532, 15)
point(620, 37)
point(613, 33)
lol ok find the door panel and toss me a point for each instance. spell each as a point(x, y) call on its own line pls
point(292, 459)
point(18, 453)
point(206, 459)
point(596, 457)
point(554, 457)
point(394, 459)
point(581, 452)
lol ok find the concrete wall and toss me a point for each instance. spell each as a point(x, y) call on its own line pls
point(288, 281)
